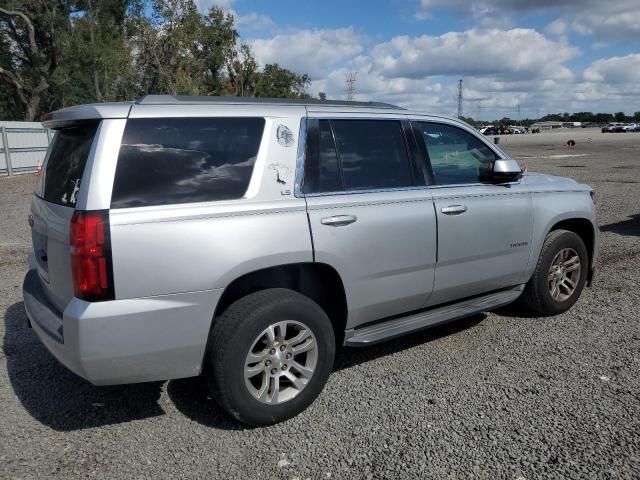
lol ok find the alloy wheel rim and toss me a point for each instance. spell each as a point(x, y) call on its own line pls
point(281, 362)
point(564, 274)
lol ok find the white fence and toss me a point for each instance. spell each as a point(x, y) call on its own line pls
point(22, 146)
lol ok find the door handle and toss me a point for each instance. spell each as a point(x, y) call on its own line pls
point(338, 220)
point(454, 209)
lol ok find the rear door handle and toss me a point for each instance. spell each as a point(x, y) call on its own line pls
point(338, 220)
point(454, 209)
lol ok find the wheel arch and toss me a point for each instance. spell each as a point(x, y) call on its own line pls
point(581, 227)
point(318, 281)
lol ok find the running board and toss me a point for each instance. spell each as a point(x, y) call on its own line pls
point(385, 330)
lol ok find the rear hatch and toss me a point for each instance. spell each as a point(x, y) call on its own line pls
point(53, 205)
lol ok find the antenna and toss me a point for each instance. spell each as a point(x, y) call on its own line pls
point(460, 98)
point(350, 84)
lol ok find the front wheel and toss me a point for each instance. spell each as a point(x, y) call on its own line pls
point(270, 355)
point(560, 274)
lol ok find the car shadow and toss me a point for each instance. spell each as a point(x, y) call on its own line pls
point(58, 398)
point(347, 357)
point(61, 400)
point(192, 398)
point(515, 310)
point(624, 227)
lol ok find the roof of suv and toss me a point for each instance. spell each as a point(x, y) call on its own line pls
point(207, 100)
point(69, 115)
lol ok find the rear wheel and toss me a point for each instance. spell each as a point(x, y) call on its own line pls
point(270, 355)
point(560, 274)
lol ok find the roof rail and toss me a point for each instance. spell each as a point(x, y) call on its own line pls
point(193, 100)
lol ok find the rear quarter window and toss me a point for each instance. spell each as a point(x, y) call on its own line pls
point(60, 181)
point(166, 161)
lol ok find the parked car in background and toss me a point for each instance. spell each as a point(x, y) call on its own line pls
point(630, 127)
point(491, 131)
point(613, 128)
point(246, 239)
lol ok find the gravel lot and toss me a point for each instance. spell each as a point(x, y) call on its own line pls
point(501, 395)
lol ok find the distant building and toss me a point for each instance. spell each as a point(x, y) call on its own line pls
point(572, 124)
point(548, 125)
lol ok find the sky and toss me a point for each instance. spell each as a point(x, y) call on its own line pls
point(517, 58)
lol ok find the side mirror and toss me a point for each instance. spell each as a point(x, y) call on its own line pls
point(505, 170)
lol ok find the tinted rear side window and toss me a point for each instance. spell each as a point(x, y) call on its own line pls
point(63, 172)
point(181, 160)
point(322, 173)
point(372, 154)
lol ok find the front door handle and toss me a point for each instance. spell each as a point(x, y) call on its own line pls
point(454, 209)
point(338, 220)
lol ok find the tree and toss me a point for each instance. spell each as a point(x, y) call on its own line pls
point(97, 52)
point(322, 96)
point(469, 120)
point(277, 82)
point(31, 33)
point(242, 71)
point(636, 117)
point(55, 53)
point(620, 117)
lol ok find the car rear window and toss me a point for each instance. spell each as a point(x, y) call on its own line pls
point(182, 160)
point(60, 181)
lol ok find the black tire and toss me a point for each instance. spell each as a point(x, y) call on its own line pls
point(537, 296)
point(233, 335)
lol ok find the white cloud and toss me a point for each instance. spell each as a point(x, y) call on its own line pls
point(615, 20)
point(314, 52)
point(506, 68)
point(615, 70)
point(254, 22)
point(514, 53)
point(607, 19)
point(557, 28)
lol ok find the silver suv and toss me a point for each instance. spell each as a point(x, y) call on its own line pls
point(245, 240)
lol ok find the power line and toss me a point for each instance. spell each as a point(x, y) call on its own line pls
point(460, 99)
point(350, 84)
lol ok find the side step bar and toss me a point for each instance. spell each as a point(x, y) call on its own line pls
point(385, 330)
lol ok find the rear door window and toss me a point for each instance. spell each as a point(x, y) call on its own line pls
point(357, 155)
point(60, 181)
point(322, 171)
point(182, 160)
point(372, 154)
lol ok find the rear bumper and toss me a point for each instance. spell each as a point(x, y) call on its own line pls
point(124, 341)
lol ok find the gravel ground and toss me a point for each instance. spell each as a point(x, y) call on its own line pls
point(500, 395)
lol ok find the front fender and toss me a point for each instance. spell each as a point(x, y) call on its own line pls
point(552, 208)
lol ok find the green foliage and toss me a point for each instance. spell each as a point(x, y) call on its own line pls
point(112, 50)
point(469, 120)
point(277, 82)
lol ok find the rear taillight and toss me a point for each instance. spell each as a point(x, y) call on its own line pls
point(91, 265)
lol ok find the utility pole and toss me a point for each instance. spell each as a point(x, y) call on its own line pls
point(518, 111)
point(460, 98)
point(350, 85)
